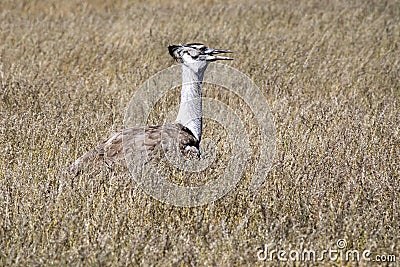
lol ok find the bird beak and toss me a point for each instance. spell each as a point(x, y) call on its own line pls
point(212, 54)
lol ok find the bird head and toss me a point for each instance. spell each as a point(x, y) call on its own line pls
point(196, 53)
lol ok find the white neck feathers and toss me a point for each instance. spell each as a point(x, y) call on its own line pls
point(190, 109)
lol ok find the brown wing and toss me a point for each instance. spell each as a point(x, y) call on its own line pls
point(138, 143)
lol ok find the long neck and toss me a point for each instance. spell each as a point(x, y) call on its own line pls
point(190, 109)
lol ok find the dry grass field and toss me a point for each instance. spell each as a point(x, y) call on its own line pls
point(329, 70)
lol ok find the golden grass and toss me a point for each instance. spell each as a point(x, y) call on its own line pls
point(329, 71)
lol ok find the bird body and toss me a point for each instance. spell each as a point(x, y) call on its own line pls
point(141, 140)
point(146, 141)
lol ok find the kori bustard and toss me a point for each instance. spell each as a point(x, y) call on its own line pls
point(187, 128)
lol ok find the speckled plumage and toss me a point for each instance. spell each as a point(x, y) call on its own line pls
point(143, 140)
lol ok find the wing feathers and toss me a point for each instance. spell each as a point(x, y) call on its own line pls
point(137, 140)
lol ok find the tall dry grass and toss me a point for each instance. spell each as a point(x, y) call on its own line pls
point(330, 74)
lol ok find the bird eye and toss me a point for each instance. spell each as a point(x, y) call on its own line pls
point(193, 54)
